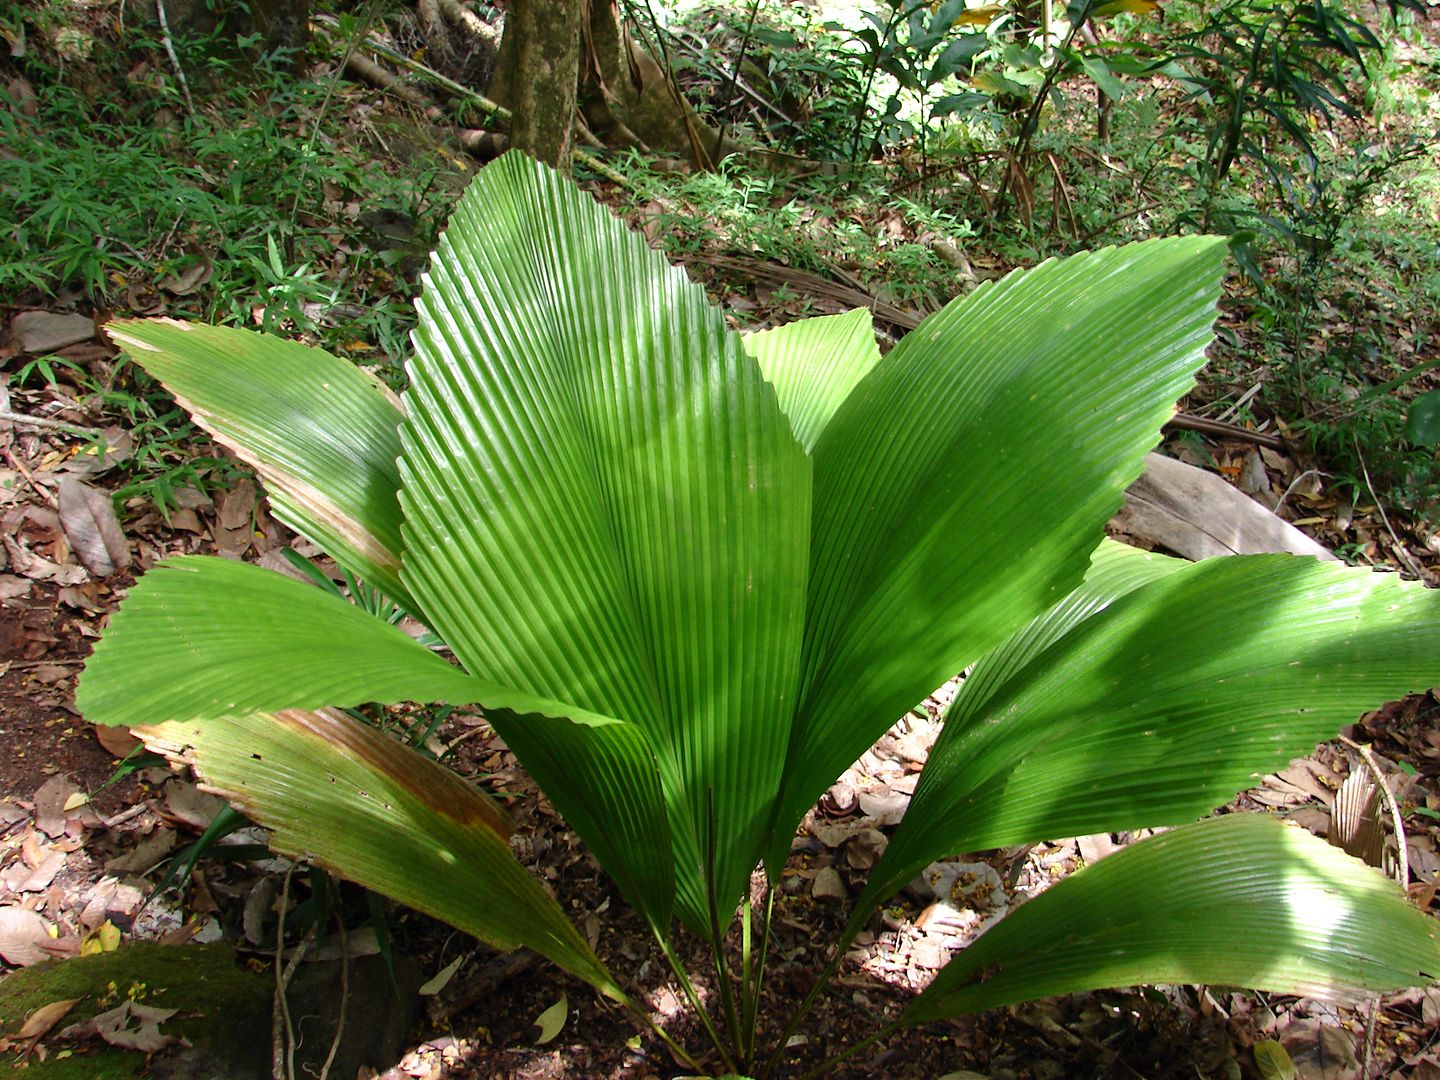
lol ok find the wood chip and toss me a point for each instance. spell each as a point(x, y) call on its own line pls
point(828, 885)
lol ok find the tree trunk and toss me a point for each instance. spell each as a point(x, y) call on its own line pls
point(536, 75)
point(625, 96)
point(630, 101)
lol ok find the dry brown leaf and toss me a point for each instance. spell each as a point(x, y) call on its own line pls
point(1319, 1051)
point(145, 854)
point(186, 520)
point(1308, 779)
point(963, 885)
point(259, 909)
point(82, 598)
point(115, 446)
point(190, 279)
point(863, 849)
point(832, 836)
point(109, 897)
point(188, 804)
point(38, 568)
point(234, 519)
point(23, 934)
point(129, 1026)
point(1311, 818)
point(38, 880)
point(12, 587)
point(840, 800)
point(883, 805)
point(50, 675)
point(38, 1024)
point(117, 741)
point(46, 331)
point(1096, 847)
point(50, 800)
point(828, 885)
point(1197, 514)
point(87, 515)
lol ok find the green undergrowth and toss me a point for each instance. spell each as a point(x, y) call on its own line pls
point(282, 201)
point(827, 225)
point(265, 205)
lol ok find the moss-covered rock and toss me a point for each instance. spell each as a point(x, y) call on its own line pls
point(225, 1012)
point(224, 1008)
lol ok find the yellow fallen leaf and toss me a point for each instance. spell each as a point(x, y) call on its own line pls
point(552, 1020)
point(76, 800)
point(104, 938)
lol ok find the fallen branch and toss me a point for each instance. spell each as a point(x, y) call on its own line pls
point(471, 23)
point(814, 285)
point(327, 25)
point(367, 70)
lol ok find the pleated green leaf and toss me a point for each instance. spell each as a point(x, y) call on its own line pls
point(602, 776)
point(1164, 703)
point(1242, 900)
point(963, 484)
point(604, 503)
point(1115, 569)
point(340, 794)
point(322, 435)
point(200, 638)
point(814, 364)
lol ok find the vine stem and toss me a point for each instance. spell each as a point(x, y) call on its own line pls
point(1032, 118)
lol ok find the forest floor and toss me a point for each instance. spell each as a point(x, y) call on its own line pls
point(80, 853)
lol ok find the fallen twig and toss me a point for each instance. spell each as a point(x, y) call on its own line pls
point(41, 422)
point(1400, 549)
point(1203, 424)
point(125, 815)
point(174, 59)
